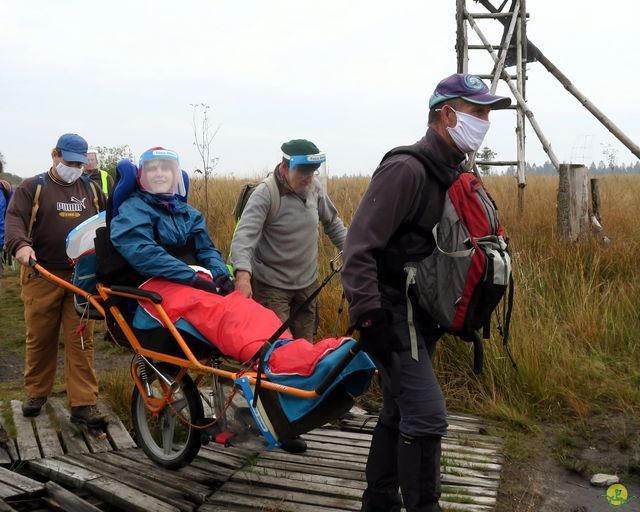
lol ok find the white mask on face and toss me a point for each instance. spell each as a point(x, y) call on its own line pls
point(469, 132)
point(68, 174)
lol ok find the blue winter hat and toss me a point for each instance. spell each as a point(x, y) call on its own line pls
point(73, 148)
point(468, 87)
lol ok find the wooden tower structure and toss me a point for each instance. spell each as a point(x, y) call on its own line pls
point(516, 50)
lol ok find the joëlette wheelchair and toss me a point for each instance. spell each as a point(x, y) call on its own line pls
point(170, 365)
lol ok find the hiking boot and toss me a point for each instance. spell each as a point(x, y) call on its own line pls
point(88, 415)
point(295, 445)
point(32, 406)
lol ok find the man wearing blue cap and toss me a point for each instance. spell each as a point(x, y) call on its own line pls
point(393, 226)
point(45, 208)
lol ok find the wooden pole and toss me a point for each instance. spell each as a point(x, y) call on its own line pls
point(462, 46)
point(597, 113)
point(499, 66)
point(520, 125)
point(573, 203)
point(546, 145)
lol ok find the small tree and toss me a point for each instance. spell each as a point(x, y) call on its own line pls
point(203, 138)
point(109, 157)
point(486, 154)
point(611, 155)
point(2, 162)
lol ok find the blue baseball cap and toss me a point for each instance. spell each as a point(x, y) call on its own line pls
point(73, 148)
point(469, 88)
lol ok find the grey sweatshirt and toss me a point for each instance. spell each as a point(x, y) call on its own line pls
point(284, 252)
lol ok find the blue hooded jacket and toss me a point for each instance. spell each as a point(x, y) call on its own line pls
point(132, 234)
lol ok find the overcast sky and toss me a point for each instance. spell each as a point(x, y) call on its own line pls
point(353, 76)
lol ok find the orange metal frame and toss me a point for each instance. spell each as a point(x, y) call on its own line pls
point(189, 362)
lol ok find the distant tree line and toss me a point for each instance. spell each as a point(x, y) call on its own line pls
point(601, 168)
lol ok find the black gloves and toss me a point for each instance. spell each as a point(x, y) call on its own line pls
point(222, 285)
point(205, 284)
point(377, 337)
point(225, 283)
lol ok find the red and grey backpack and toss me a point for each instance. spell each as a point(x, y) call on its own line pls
point(462, 282)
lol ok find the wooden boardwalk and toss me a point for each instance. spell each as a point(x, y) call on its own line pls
point(50, 465)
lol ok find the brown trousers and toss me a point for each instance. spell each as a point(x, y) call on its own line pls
point(284, 302)
point(46, 307)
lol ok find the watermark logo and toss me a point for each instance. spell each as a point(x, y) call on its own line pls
point(617, 495)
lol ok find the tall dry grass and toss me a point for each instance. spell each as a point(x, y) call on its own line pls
point(575, 327)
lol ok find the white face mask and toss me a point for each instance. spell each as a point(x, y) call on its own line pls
point(68, 174)
point(469, 132)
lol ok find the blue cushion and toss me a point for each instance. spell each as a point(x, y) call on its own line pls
point(185, 178)
point(126, 182)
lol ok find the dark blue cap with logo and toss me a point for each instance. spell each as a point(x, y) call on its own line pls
point(467, 87)
point(73, 147)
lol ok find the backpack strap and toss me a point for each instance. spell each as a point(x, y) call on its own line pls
point(39, 184)
point(274, 194)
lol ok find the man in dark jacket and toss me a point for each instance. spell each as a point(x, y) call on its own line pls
point(391, 227)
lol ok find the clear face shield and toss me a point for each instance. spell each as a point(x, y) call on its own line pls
point(160, 173)
point(303, 168)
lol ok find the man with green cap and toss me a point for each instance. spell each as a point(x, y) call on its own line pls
point(274, 254)
point(274, 251)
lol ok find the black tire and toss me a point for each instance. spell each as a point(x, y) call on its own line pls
point(169, 441)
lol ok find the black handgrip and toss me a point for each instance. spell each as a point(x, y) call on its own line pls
point(478, 354)
point(154, 297)
point(337, 369)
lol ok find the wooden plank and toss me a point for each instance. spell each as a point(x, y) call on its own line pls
point(468, 490)
point(5, 507)
point(193, 490)
point(313, 461)
point(466, 507)
point(47, 437)
point(25, 437)
point(7, 491)
point(302, 477)
point(116, 431)
point(21, 482)
point(72, 438)
point(65, 500)
point(221, 459)
point(62, 472)
point(219, 473)
point(261, 503)
point(122, 496)
point(448, 478)
point(287, 467)
point(488, 501)
point(5, 458)
point(292, 498)
point(96, 443)
point(276, 482)
point(6, 444)
point(166, 494)
point(208, 477)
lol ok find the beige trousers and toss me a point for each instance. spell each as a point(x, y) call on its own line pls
point(284, 302)
point(47, 307)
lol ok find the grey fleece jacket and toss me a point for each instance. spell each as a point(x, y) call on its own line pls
point(284, 252)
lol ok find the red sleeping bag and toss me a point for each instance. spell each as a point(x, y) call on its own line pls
point(237, 326)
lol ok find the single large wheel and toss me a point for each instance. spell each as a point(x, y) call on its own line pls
point(168, 437)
